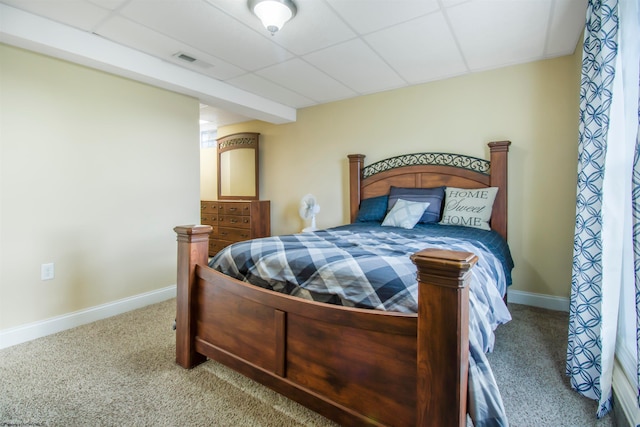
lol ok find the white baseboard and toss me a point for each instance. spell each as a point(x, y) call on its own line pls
point(538, 300)
point(625, 405)
point(13, 336)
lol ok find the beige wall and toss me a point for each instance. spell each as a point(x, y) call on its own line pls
point(208, 169)
point(534, 105)
point(208, 175)
point(96, 170)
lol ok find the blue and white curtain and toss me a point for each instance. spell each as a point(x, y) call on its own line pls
point(607, 228)
point(636, 245)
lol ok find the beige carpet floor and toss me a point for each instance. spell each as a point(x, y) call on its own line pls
point(121, 372)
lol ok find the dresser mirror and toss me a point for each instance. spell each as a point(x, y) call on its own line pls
point(238, 166)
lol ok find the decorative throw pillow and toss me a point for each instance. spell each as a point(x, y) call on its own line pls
point(468, 207)
point(405, 214)
point(433, 196)
point(372, 209)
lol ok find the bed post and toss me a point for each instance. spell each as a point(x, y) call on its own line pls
point(499, 151)
point(356, 163)
point(193, 247)
point(443, 336)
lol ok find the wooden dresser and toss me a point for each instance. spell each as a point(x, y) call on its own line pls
point(234, 221)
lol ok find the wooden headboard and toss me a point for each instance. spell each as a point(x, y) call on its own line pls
point(424, 170)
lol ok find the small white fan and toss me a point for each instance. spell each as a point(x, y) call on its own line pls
point(309, 207)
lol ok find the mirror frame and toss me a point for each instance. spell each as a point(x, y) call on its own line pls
point(243, 140)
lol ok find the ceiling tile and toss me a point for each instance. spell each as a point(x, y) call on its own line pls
point(498, 33)
point(208, 29)
point(125, 32)
point(366, 72)
point(108, 4)
point(240, 11)
point(420, 50)
point(449, 3)
point(314, 27)
point(263, 87)
point(366, 16)
point(306, 80)
point(566, 27)
point(76, 13)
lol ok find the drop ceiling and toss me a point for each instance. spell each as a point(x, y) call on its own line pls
point(331, 50)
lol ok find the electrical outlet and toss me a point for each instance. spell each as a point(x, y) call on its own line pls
point(47, 271)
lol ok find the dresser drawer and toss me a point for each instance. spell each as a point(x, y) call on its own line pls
point(235, 221)
point(233, 234)
point(209, 218)
point(215, 246)
point(207, 207)
point(238, 221)
point(229, 208)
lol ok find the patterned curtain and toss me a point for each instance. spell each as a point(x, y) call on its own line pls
point(636, 240)
point(585, 350)
point(606, 257)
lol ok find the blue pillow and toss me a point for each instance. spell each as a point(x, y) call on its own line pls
point(434, 196)
point(373, 209)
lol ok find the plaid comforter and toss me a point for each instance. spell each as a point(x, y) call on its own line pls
point(368, 266)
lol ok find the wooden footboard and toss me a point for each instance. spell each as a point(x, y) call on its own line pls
point(354, 366)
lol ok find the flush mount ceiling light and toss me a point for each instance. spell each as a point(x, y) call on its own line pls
point(273, 13)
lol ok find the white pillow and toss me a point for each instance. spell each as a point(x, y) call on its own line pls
point(405, 214)
point(468, 207)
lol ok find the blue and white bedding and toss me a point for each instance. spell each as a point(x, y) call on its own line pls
point(368, 266)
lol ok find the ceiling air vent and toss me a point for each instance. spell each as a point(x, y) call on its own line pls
point(190, 59)
point(186, 57)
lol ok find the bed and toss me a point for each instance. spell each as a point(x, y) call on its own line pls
point(354, 365)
